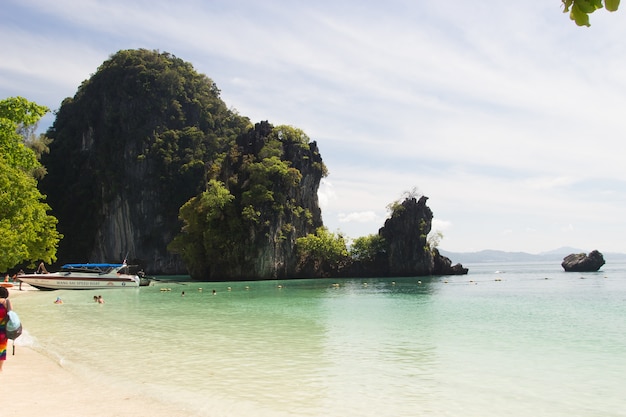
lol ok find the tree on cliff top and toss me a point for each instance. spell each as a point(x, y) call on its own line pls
point(27, 232)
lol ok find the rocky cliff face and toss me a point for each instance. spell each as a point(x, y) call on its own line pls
point(129, 149)
point(288, 210)
point(278, 253)
point(408, 251)
point(405, 232)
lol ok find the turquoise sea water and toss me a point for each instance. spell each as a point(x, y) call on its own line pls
point(505, 340)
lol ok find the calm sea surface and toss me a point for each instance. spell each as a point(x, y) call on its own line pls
point(505, 340)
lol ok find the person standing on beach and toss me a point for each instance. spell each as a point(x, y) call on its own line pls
point(5, 306)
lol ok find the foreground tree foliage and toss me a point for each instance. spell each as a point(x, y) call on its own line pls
point(579, 10)
point(27, 232)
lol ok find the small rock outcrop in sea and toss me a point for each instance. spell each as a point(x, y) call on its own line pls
point(406, 249)
point(443, 265)
point(408, 252)
point(580, 262)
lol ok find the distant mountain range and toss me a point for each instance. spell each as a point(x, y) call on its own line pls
point(488, 255)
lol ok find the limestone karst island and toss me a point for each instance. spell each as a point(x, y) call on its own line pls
point(147, 160)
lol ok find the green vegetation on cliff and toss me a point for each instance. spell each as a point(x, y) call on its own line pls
point(367, 248)
point(255, 207)
point(322, 252)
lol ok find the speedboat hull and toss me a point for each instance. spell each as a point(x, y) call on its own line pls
point(57, 281)
point(83, 277)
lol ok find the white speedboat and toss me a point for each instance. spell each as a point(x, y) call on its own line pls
point(83, 277)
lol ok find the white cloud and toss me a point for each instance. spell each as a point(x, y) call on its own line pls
point(325, 194)
point(359, 217)
point(440, 225)
point(33, 65)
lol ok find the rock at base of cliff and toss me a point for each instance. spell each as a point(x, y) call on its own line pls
point(579, 262)
point(443, 266)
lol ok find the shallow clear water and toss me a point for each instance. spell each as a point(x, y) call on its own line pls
point(529, 340)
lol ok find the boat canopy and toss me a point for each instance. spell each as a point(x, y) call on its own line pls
point(91, 266)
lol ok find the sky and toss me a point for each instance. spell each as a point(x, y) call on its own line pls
point(506, 115)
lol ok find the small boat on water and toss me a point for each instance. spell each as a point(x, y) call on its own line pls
point(83, 277)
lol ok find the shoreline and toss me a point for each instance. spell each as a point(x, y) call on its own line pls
point(38, 385)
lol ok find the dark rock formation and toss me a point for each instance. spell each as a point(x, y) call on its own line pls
point(129, 149)
point(443, 266)
point(407, 252)
point(405, 233)
point(580, 262)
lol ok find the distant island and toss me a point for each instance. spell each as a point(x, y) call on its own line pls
point(496, 256)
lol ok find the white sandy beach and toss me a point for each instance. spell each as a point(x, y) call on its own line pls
point(35, 385)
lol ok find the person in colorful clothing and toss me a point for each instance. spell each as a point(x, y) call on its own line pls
point(5, 306)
